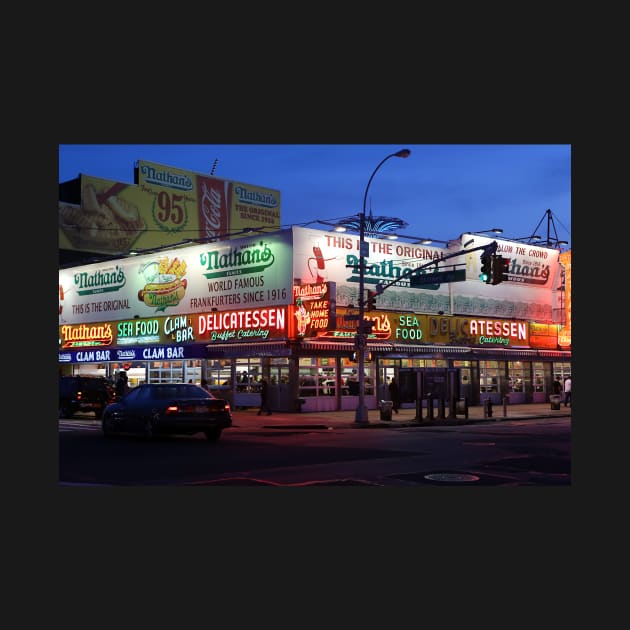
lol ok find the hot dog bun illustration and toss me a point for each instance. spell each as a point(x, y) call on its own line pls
point(165, 284)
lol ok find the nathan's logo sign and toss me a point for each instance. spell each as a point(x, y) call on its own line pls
point(84, 336)
point(314, 309)
point(165, 285)
point(254, 197)
point(533, 270)
point(164, 177)
point(386, 271)
point(252, 258)
point(307, 292)
point(100, 281)
point(347, 328)
point(126, 355)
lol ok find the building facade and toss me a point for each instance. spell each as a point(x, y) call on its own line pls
point(283, 305)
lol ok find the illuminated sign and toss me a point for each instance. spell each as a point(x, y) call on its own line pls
point(344, 328)
point(564, 335)
point(85, 335)
point(313, 310)
point(430, 329)
point(138, 331)
point(125, 355)
point(491, 331)
point(544, 336)
point(92, 356)
point(166, 285)
point(243, 325)
point(150, 331)
point(408, 328)
point(244, 273)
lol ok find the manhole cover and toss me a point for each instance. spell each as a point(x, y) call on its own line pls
point(451, 477)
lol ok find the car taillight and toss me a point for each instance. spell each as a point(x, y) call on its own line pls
point(172, 409)
point(227, 407)
point(79, 394)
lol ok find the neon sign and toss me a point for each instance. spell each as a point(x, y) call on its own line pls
point(253, 324)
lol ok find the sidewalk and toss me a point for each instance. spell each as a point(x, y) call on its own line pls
point(249, 418)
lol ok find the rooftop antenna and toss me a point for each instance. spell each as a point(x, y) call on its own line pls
point(550, 224)
point(214, 166)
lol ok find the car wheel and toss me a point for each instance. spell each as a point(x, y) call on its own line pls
point(213, 434)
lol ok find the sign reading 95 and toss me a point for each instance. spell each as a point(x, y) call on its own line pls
point(170, 212)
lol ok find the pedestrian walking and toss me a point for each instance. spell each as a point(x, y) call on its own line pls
point(567, 391)
point(122, 384)
point(394, 394)
point(264, 397)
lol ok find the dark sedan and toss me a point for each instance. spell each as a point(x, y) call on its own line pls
point(168, 409)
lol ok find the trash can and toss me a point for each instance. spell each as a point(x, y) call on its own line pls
point(555, 401)
point(461, 407)
point(386, 409)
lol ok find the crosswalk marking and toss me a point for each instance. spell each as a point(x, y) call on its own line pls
point(73, 425)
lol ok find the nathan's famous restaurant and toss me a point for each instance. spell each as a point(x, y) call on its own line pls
point(231, 298)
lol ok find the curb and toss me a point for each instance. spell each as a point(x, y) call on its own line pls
point(396, 424)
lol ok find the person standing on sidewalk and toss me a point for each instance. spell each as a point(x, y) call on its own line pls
point(264, 397)
point(557, 386)
point(567, 391)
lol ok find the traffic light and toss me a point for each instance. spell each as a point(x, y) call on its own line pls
point(370, 304)
point(499, 269)
point(366, 327)
point(486, 267)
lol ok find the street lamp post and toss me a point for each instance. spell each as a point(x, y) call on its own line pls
point(361, 336)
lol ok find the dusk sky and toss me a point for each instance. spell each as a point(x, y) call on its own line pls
point(441, 191)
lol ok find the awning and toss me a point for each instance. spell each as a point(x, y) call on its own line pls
point(283, 349)
point(341, 346)
point(417, 349)
point(558, 354)
point(507, 352)
point(253, 349)
point(510, 354)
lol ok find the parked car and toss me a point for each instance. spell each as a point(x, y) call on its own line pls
point(168, 408)
point(84, 393)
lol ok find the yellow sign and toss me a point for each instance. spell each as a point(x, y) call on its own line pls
point(167, 206)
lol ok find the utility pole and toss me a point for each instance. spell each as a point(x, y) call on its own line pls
point(360, 340)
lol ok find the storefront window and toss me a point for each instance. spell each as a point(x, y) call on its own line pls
point(539, 377)
point(516, 378)
point(248, 374)
point(562, 370)
point(193, 371)
point(219, 372)
point(279, 371)
point(166, 372)
point(489, 377)
point(317, 376)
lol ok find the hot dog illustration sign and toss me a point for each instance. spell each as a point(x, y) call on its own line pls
point(253, 272)
point(166, 285)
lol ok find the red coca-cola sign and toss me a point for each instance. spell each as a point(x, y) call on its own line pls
point(214, 203)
